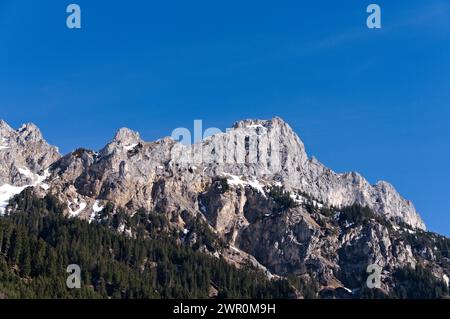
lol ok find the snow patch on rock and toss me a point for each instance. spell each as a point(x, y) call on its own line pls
point(253, 182)
point(4, 144)
point(96, 208)
point(6, 193)
point(81, 206)
point(130, 147)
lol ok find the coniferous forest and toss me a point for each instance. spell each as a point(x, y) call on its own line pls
point(37, 244)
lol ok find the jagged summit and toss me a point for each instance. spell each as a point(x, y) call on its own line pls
point(254, 185)
point(255, 123)
point(26, 127)
point(124, 140)
point(30, 132)
point(125, 135)
point(6, 133)
point(266, 150)
point(5, 126)
point(24, 158)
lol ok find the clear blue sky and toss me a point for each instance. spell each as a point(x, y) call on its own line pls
point(374, 101)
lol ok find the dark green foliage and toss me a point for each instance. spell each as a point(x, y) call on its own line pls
point(420, 240)
point(418, 283)
point(281, 198)
point(309, 289)
point(223, 185)
point(327, 211)
point(360, 215)
point(204, 235)
point(37, 244)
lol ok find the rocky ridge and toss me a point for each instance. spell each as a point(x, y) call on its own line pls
point(254, 185)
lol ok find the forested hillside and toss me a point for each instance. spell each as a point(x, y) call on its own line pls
point(37, 244)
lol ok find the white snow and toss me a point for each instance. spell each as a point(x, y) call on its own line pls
point(22, 128)
point(235, 180)
point(185, 231)
point(130, 147)
point(37, 179)
point(81, 207)
point(238, 181)
point(348, 290)
point(255, 126)
point(9, 191)
point(445, 278)
point(257, 185)
point(128, 232)
point(42, 178)
point(124, 230)
point(278, 184)
point(298, 199)
point(96, 208)
point(6, 193)
point(347, 224)
point(26, 172)
point(3, 144)
point(236, 249)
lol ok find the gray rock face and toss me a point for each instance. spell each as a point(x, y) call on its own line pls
point(227, 180)
point(270, 150)
point(23, 154)
point(126, 170)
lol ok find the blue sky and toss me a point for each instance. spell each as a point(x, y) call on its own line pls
point(374, 101)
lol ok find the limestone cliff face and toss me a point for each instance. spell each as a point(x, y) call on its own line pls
point(23, 153)
point(271, 151)
point(126, 170)
point(228, 180)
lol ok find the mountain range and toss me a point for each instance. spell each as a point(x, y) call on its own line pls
point(269, 206)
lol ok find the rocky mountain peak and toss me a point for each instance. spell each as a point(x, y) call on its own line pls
point(4, 127)
point(255, 123)
point(30, 132)
point(24, 158)
point(254, 150)
point(124, 140)
point(254, 186)
point(127, 136)
point(276, 128)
